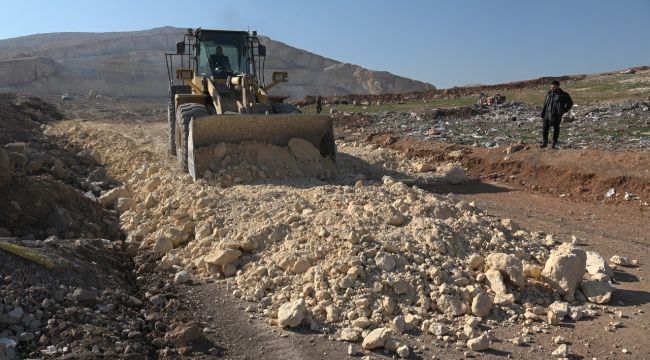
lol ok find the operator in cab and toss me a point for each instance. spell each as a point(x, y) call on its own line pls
point(220, 61)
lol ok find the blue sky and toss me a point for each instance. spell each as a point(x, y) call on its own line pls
point(445, 42)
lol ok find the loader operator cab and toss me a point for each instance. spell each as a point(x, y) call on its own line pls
point(223, 53)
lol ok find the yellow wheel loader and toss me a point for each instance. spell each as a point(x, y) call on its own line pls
point(218, 94)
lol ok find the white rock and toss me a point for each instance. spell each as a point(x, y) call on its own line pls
point(222, 257)
point(509, 266)
point(395, 219)
point(349, 334)
point(423, 167)
point(181, 277)
point(450, 305)
point(398, 324)
point(453, 173)
point(475, 261)
point(385, 261)
point(361, 322)
point(110, 197)
point(564, 269)
point(301, 266)
point(480, 343)
point(597, 265)
point(558, 340)
point(621, 260)
point(599, 292)
point(376, 339)
point(561, 351)
point(439, 329)
point(163, 245)
point(353, 351)
point(495, 280)
point(177, 236)
point(403, 351)
point(124, 204)
point(481, 305)
point(291, 314)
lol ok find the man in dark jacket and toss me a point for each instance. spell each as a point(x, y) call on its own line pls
point(557, 103)
point(319, 104)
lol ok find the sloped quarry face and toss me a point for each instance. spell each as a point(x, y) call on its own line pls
point(131, 64)
point(26, 70)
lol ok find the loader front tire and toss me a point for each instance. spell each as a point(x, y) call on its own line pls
point(184, 114)
point(171, 114)
point(284, 108)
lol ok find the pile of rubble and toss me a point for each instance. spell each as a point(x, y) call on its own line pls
point(55, 300)
point(609, 126)
point(364, 262)
point(246, 162)
point(40, 181)
point(70, 306)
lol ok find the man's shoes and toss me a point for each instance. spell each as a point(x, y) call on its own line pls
point(542, 146)
point(554, 146)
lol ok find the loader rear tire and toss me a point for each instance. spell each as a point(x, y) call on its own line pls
point(171, 125)
point(184, 114)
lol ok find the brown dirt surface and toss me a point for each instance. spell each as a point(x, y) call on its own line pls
point(582, 175)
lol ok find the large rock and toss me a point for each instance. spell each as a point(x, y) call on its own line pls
point(183, 334)
point(163, 245)
point(450, 305)
point(376, 339)
point(479, 344)
point(111, 196)
point(292, 313)
point(423, 167)
point(177, 236)
point(385, 261)
point(495, 281)
point(453, 173)
point(596, 264)
point(564, 268)
point(509, 266)
point(599, 292)
point(481, 305)
point(85, 295)
point(222, 257)
point(622, 260)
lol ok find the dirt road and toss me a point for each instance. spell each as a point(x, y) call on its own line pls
point(232, 332)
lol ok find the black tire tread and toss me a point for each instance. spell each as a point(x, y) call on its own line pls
point(184, 115)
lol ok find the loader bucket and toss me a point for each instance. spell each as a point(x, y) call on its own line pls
point(277, 129)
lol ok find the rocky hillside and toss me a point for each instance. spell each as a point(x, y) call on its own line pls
point(132, 64)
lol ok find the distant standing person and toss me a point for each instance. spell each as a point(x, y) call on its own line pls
point(319, 104)
point(557, 103)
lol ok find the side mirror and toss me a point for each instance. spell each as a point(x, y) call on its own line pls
point(180, 47)
point(261, 50)
point(184, 74)
point(280, 76)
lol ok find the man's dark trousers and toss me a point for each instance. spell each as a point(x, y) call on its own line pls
point(556, 131)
